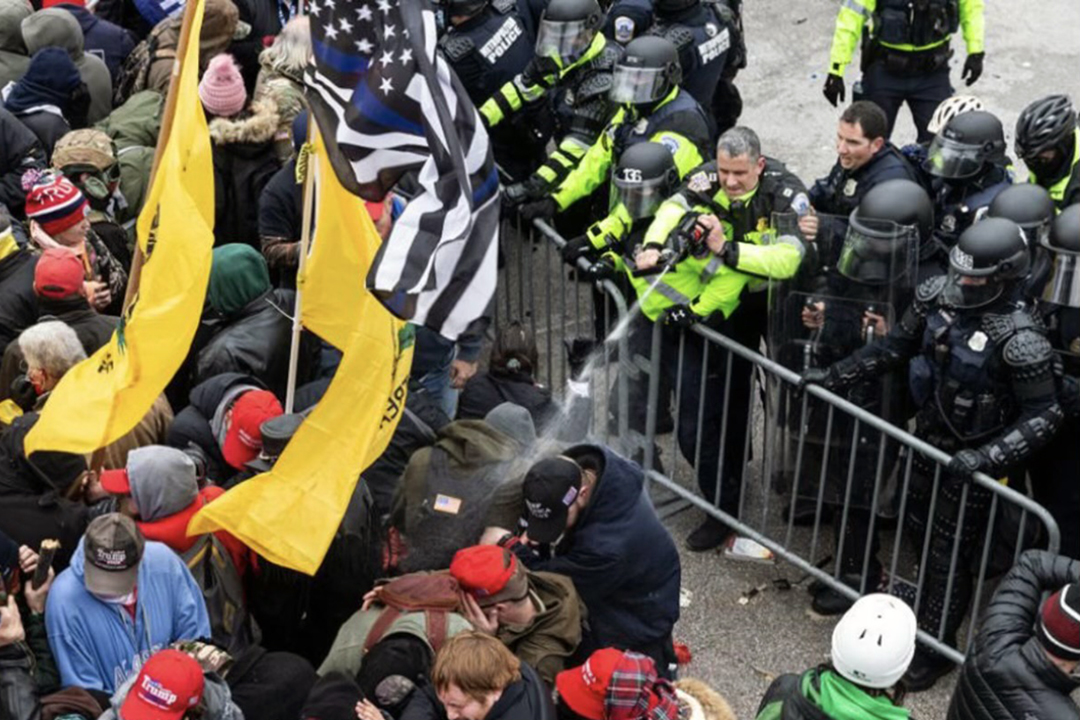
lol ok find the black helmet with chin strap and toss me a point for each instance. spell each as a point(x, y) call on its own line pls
point(990, 255)
point(647, 72)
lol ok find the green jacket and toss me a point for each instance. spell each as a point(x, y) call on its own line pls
point(684, 132)
point(348, 648)
point(712, 283)
point(554, 634)
point(855, 13)
point(822, 694)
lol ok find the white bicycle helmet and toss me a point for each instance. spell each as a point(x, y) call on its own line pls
point(874, 642)
point(950, 108)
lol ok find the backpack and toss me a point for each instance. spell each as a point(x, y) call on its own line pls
point(231, 625)
point(136, 68)
point(436, 595)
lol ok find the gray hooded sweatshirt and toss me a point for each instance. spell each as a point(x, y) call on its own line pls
point(57, 27)
point(13, 57)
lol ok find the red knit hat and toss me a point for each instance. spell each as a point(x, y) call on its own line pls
point(56, 204)
point(1059, 623)
point(51, 3)
point(59, 274)
point(222, 88)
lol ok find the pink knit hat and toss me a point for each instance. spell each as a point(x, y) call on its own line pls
point(222, 89)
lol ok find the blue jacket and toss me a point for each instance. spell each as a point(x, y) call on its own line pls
point(106, 40)
point(96, 645)
point(622, 560)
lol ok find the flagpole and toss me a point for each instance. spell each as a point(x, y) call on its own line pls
point(308, 161)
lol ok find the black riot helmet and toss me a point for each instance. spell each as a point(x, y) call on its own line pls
point(988, 257)
point(567, 28)
point(643, 178)
point(884, 233)
point(647, 72)
point(1047, 126)
point(1063, 243)
point(463, 8)
point(1029, 206)
point(967, 146)
point(667, 7)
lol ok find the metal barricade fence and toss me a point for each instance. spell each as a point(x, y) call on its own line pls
point(756, 442)
point(948, 540)
point(539, 290)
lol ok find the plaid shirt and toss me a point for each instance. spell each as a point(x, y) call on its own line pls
point(636, 693)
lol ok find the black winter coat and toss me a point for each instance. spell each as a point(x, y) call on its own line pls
point(192, 424)
point(244, 162)
point(107, 40)
point(47, 126)
point(621, 558)
point(255, 341)
point(487, 390)
point(526, 699)
point(18, 303)
point(1007, 675)
point(19, 151)
point(841, 191)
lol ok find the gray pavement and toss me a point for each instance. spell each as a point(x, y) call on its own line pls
point(1033, 48)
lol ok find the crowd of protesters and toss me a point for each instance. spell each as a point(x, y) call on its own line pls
point(495, 563)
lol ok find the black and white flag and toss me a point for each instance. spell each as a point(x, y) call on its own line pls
point(386, 103)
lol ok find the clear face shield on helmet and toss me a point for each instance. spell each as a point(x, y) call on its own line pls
point(640, 196)
point(967, 287)
point(1063, 286)
point(637, 85)
point(952, 160)
point(563, 41)
point(878, 253)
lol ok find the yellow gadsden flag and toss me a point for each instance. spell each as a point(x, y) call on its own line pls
point(102, 398)
point(290, 514)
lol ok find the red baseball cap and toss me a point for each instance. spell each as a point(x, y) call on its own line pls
point(169, 684)
point(490, 574)
point(584, 688)
point(243, 441)
point(59, 274)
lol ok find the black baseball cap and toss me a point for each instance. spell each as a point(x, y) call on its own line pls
point(551, 486)
point(112, 548)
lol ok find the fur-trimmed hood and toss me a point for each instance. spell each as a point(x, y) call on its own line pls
point(256, 126)
point(703, 702)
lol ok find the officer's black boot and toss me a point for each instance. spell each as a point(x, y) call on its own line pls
point(709, 535)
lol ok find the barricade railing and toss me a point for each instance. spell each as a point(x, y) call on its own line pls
point(785, 463)
point(947, 541)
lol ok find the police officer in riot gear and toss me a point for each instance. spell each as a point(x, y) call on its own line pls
point(487, 45)
point(653, 108)
point(862, 296)
point(905, 52)
point(1030, 207)
point(966, 163)
point(709, 36)
point(1055, 469)
point(572, 68)
point(981, 376)
point(643, 178)
point(1048, 142)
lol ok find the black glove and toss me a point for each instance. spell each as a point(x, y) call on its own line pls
point(578, 352)
point(539, 70)
point(543, 208)
point(967, 462)
point(514, 195)
point(602, 269)
point(834, 89)
point(822, 377)
point(681, 316)
point(575, 248)
point(973, 68)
